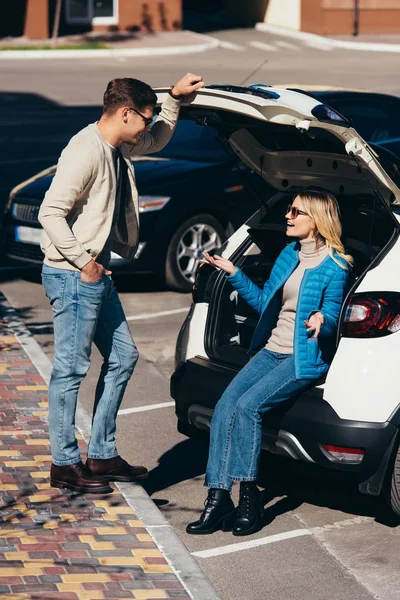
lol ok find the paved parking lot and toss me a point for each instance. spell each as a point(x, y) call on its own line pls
point(321, 539)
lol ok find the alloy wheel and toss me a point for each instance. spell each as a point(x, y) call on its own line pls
point(197, 239)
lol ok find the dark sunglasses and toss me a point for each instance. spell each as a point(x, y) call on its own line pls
point(295, 212)
point(148, 121)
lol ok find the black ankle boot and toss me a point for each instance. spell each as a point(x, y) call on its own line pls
point(219, 513)
point(250, 509)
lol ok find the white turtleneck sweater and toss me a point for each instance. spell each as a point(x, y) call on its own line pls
point(281, 339)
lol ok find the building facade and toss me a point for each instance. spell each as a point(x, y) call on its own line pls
point(334, 17)
point(34, 18)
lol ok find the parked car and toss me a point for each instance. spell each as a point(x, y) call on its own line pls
point(350, 420)
point(193, 195)
point(375, 116)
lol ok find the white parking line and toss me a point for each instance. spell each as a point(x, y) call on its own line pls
point(163, 313)
point(137, 409)
point(262, 46)
point(287, 45)
point(252, 544)
point(230, 46)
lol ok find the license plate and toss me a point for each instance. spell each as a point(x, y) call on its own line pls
point(27, 235)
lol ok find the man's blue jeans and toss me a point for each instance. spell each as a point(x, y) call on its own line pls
point(84, 313)
point(236, 427)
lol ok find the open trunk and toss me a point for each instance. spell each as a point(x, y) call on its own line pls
point(288, 158)
point(368, 229)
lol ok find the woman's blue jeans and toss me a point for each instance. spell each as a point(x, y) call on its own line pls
point(84, 313)
point(236, 427)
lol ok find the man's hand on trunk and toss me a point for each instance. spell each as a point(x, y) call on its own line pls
point(188, 84)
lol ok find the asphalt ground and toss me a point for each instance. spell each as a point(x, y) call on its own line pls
point(347, 546)
point(321, 539)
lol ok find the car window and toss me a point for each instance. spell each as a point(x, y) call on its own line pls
point(393, 145)
point(389, 161)
point(374, 119)
point(192, 141)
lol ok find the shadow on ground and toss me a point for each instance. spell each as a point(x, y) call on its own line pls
point(290, 483)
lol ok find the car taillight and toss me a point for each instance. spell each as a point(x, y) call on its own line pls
point(343, 454)
point(372, 315)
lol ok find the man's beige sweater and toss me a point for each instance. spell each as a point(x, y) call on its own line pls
point(77, 211)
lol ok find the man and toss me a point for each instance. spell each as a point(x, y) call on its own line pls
point(90, 209)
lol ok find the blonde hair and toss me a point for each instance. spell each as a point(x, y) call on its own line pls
point(323, 208)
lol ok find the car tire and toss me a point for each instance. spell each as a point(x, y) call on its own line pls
point(200, 233)
point(392, 489)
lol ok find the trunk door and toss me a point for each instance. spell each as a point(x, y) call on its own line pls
point(276, 133)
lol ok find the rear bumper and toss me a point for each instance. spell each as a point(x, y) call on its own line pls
point(297, 429)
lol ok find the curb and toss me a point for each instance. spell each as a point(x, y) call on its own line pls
point(208, 44)
point(329, 43)
point(175, 552)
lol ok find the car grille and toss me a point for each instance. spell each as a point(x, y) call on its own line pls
point(25, 212)
point(29, 252)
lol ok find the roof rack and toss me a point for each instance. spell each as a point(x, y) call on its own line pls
point(240, 89)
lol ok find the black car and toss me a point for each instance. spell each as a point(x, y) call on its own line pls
point(375, 116)
point(191, 199)
point(195, 192)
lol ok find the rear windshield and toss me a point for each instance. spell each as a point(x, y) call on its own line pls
point(390, 162)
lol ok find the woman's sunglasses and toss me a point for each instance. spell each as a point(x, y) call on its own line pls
point(295, 212)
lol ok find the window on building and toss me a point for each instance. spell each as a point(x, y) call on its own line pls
point(97, 12)
point(78, 9)
point(103, 8)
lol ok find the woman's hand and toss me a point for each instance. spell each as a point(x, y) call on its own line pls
point(218, 262)
point(315, 323)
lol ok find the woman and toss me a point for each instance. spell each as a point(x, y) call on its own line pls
point(299, 307)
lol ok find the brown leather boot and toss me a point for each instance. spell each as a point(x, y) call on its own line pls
point(115, 469)
point(77, 477)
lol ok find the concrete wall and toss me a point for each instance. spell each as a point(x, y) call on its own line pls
point(285, 13)
point(37, 19)
point(150, 15)
point(34, 18)
point(330, 17)
point(147, 15)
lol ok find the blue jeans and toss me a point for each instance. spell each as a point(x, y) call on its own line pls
point(236, 427)
point(84, 313)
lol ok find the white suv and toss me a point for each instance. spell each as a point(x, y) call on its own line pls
point(350, 420)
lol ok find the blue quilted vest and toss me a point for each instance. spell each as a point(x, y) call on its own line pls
point(322, 289)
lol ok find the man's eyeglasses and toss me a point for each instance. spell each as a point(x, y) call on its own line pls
point(147, 120)
point(295, 212)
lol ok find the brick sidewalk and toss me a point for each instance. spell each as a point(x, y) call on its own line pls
point(55, 543)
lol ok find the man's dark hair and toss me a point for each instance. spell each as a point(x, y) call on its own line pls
point(128, 92)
